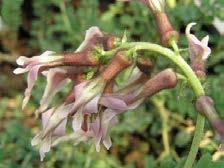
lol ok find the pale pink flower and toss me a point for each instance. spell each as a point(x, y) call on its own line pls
point(197, 49)
point(54, 123)
point(34, 66)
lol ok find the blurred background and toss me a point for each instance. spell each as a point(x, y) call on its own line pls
point(29, 27)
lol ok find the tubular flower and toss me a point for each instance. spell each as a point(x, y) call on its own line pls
point(198, 50)
point(92, 105)
point(49, 59)
point(205, 105)
point(34, 66)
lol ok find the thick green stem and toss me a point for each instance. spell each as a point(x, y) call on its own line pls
point(193, 81)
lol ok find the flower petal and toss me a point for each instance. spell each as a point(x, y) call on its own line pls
point(31, 79)
point(92, 105)
point(91, 34)
point(56, 79)
point(58, 116)
point(113, 102)
point(77, 120)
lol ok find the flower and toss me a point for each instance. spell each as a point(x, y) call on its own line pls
point(34, 66)
point(50, 59)
point(54, 122)
point(197, 49)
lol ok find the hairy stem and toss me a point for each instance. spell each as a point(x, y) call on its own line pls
point(193, 81)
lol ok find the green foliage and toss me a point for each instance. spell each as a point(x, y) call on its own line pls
point(10, 9)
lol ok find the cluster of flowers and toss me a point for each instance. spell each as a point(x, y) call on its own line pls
point(93, 105)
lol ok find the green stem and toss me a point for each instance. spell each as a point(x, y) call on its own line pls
point(193, 81)
point(159, 104)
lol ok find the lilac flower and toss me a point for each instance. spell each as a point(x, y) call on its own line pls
point(50, 59)
point(34, 66)
point(198, 49)
point(54, 123)
point(91, 37)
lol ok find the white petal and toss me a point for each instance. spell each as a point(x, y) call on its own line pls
point(77, 120)
point(22, 60)
point(90, 33)
point(107, 142)
point(20, 70)
point(205, 40)
point(45, 147)
point(188, 28)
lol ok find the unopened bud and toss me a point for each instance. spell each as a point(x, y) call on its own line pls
point(145, 65)
point(166, 30)
point(164, 80)
point(205, 106)
point(118, 63)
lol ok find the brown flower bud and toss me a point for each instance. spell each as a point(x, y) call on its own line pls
point(145, 65)
point(205, 106)
point(108, 41)
point(118, 63)
point(166, 30)
point(84, 58)
point(164, 80)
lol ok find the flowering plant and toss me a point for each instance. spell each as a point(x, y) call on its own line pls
point(94, 104)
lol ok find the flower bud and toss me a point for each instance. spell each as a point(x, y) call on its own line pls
point(166, 30)
point(164, 80)
point(145, 65)
point(118, 63)
point(205, 106)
